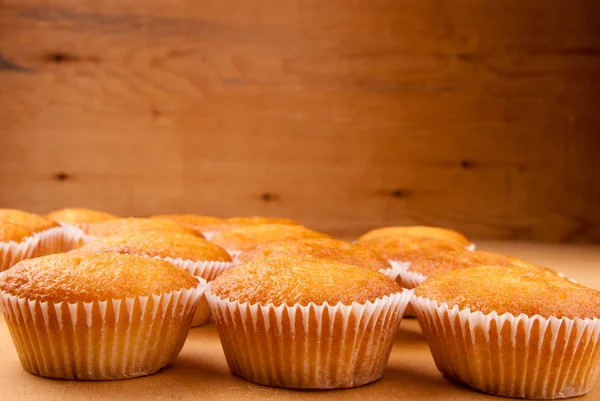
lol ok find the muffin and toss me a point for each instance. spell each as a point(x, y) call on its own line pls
point(198, 256)
point(26, 235)
point(443, 234)
point(205, 225)
point(75, 221)
point(233, 223)
point(246, 238)
point(110, 227)
point(305, 322)
point(512, 331)
point(320, 248)
point(97, 316)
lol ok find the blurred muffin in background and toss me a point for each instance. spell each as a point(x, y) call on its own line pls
point(75, 222)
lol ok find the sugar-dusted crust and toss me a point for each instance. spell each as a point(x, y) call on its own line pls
point(75, 277)
point(288, 280)
point(430, 263)
point(194, 221)
point(13, 232)
point(28, 221)
point(321, 248)
point(513, 289)
point(159, 243)
point(250, 237)
point(111, 227)
point(443, 234)
point(407, 248)
point(77, 216)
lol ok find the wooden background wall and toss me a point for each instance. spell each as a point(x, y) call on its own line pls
point(479, 115)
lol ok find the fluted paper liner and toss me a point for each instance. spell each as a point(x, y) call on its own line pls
point(75, 237)
point(522, 356)
point(207, 270)
point(401, 274)
point(312, 346)
point(100, 340)
point(41, 243)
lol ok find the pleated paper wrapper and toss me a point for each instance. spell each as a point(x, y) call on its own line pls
point(524, 357)
point(75, 237)
point(100, 340)
point(207, 270)
point(401, 274)
point(313, 346)
point(41, 243)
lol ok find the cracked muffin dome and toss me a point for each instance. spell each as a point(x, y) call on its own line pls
point(439, 233)
point(130, 224)
point(161, 244)
point(285, 280)
point(75, 277)
point(79, 216)
point(250, 237)
point(19, 222)
point(320, 248)
point(513, 289)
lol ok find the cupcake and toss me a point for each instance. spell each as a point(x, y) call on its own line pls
point(443, 234)
point(206, 225)
point(305, 322)
point(512, 331)
point(75, 221)
point(97, 316)
point(110, 227)
point(246, 238)
point(233, 223)
point(26, 235)
point(319, 248)
point(198, 256)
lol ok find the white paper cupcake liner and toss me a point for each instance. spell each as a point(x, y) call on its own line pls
point(209, 234)
point(75, 237)
point(206, 270)
point(41, 243)
point(401, 274)
point(313, 346)
point(100, 340)
point(525, 357)
point(471, 247)
point(235, 254)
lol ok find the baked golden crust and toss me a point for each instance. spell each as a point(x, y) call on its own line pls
point(233, 223)
point(75, 277)
point(76, 216)
point(193, 221)
point(406, 249)
point(28, 221)
point(287, 280)
point(159, 243)
point(513, 289)
point(443, 234)
point(12, 232)
point(431, 263)
point(320, 248)
point(250, 237)
point(129, 224)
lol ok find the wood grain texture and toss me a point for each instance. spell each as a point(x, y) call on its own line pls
point(347, 115)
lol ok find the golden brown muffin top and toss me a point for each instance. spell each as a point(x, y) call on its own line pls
point(431, 263)
point(320, 248)
point(250, 237)
point(406, 249)
point(512, 289)
point(75, 277)
point(27, 221)
point(193, 221)
point(302, 280)
point(439, 233)
point(159, 243)
point(76, 216)
point(12, 232)
point(129, 224)
point(233, 223)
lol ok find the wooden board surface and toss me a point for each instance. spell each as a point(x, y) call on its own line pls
point(201, 373)
point(478, 115)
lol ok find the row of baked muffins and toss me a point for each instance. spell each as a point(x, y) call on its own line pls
point(299, 311)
